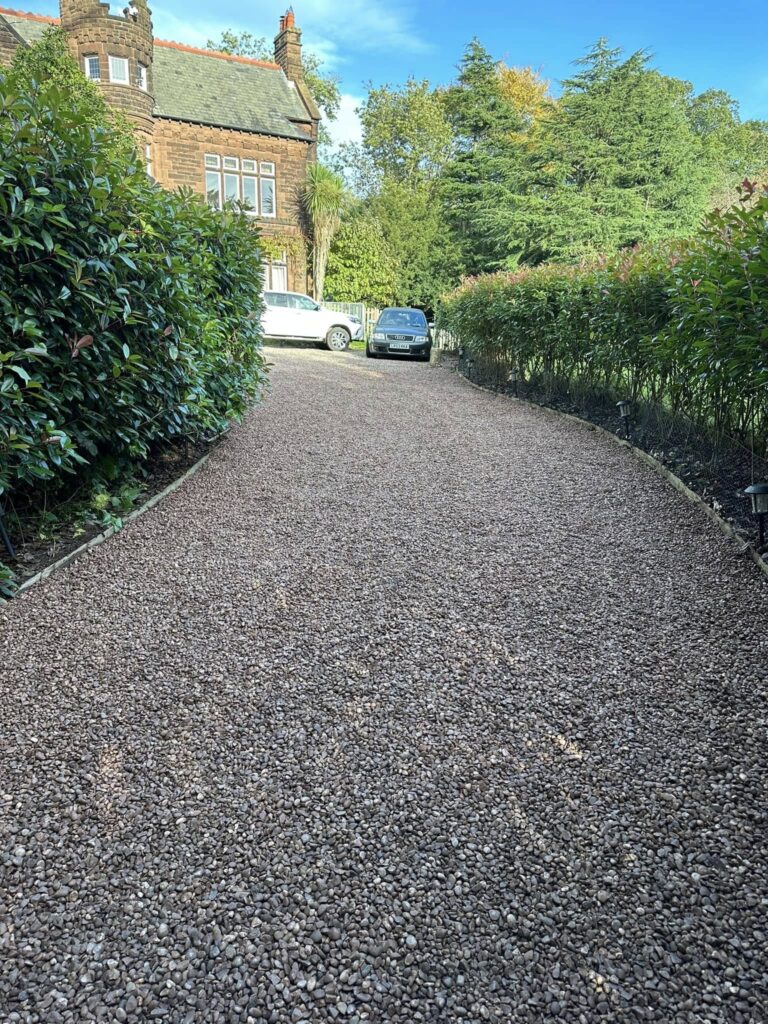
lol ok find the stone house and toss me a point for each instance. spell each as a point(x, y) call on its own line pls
point(227, 127)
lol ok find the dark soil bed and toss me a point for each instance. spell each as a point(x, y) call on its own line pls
point(34, 554)
point(717, 469)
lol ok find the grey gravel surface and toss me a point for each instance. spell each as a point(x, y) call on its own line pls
point(416, 704)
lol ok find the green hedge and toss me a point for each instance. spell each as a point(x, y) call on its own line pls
point(129, 316)
point(685, 326)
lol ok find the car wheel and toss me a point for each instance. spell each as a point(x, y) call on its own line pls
point(369, 354)
point(337, 339)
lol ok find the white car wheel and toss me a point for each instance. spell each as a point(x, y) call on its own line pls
point(337, 339)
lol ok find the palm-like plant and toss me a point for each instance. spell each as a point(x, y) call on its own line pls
point(324, 200)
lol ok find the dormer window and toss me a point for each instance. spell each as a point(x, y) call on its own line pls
point(142, 76)
point(118, 70)
point(92, 68)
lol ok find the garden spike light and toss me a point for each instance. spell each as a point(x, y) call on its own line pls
point(512, 377)
point(5, 538)
point(625, 411)
point(759, 496)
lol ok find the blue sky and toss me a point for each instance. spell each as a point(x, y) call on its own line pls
point(710, 44)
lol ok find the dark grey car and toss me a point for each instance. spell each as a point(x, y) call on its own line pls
point(400, 332)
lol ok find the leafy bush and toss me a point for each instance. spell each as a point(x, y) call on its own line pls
point(361, 267)
point(684, 325)
point(129, 316)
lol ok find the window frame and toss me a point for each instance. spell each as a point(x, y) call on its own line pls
point(262, 182)
point(232, 169)
point(125, 61)
point(141, 78)
point(226, 178)
point(219, 194)
point(87, 58)
point(251, 211)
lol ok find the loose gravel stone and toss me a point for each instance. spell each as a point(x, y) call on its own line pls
point(417, 704)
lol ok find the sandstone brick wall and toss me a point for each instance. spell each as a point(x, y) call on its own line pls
point(178, 159)
point(92, 30)
point(178, 148)
point(8, 45)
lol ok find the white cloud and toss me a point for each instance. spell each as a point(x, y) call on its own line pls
point(331, 28)
point(346, 127)
point(197, 32)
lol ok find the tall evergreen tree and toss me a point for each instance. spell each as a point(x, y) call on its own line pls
point(617, 163)
point(485, 169)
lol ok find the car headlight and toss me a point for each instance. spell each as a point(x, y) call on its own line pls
point(420, 339)
point(355, 320)
point(378, 336)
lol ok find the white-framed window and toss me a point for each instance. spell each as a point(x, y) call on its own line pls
point(92, 67)
point(118, 70)
point(213, 189)
point(148, 159)
point(232, 187)
point(251, 193)
point(247, 181)
point(276, 274)
point(267, 190)
point(142, 76)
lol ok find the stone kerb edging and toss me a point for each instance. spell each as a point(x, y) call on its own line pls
point(111, 530)
point(745, 548)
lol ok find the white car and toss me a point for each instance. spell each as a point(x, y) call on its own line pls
point(296, 316)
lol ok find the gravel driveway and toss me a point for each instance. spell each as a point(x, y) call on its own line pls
point(416, 704)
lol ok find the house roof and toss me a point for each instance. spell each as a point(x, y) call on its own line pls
point(206, 87)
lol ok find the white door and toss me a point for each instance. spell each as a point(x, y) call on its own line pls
point(306, 318)
point(276, 319)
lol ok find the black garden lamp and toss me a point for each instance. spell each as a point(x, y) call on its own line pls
point(470, 364)
point(625, 411)
point(758, 494)
point(5, 538)
point(513, 378)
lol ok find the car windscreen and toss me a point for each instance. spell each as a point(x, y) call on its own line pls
point(405, 318)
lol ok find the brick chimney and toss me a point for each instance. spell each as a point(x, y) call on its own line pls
point(288, 47)
point(288, 56)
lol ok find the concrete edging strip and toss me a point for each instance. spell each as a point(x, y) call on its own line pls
point(745, 548)
point(111, 530)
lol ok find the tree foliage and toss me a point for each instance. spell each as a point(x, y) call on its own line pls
point(324, 200)
point(406, 133)
point(617, 163)
point(683, 324)
point(49, 63)
point(361, 267)
point(492, 172)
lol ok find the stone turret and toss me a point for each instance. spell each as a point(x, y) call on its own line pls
point(114, 47)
